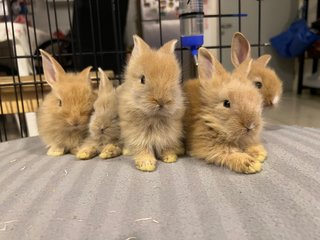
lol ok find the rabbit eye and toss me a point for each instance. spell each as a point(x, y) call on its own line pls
point(143, 79)
point(258, 84)
point(59, 103)
point(226, 104)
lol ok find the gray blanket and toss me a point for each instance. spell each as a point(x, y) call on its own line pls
point(43, 197)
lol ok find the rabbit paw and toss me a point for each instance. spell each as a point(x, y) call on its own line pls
point(169, 157)
point(110, 151)
point(146, 164)
point(254, 167)
point(244, 163)
point(55, 151)
point(126, 151)
point(258, 152)
point(86, 153)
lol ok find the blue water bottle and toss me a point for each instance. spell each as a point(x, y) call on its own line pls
point(191, 25)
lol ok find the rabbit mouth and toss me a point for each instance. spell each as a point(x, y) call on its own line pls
point(72, 128)
point(161, 112)
point(250, 130)
point(156, 110)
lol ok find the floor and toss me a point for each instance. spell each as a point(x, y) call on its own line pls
point(301, 110)
point(67, 199)
point(61, 198)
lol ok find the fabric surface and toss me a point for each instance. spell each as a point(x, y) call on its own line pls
point(43, 197)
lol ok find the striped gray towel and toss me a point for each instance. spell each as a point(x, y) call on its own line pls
point(48, 198)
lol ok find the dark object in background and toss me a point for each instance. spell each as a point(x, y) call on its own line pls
point(316, 25)
point(97, 33)
point(294, 41)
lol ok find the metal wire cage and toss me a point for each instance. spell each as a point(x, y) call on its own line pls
point(80, 33)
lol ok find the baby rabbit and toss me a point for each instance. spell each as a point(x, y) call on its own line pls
point(264, 78)
point(223, 116)
point(151, 105)
point(64, 114)
point(104, 124)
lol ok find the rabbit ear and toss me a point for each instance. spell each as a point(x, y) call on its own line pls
point(208, 65)
point(139, 46)
point(105, 83)
point(240, 49)
point(263, 60)
point(169, 46)
point(85, 74)
point(244, 68)
point(51, 68)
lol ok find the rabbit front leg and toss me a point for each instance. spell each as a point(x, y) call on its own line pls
point(180, 151)
point(55, 151)
point(110, 151)
point(87, 152)
point(126, 151)
point(235, 160)
point(258, 152)
point(145, 161)
point(169, 156)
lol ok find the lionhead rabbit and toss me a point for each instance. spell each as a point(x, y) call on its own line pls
point(64, 114)
point(104, 124)
point(151, 105)
point(223, 116)
point(264, 78)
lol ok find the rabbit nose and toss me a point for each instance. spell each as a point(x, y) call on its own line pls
point(102, 130)
point(250, 126)
point(159, 102)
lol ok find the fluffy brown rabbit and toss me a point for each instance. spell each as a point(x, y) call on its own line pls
point(104, 124)
point(151, 105)
point(264, 78)
point(223, 116)
point(64, 115)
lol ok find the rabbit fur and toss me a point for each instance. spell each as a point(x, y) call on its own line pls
point(223, 116)
point(151, 105)
point(264, 78)
point(104, 128)
point(64, 114)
